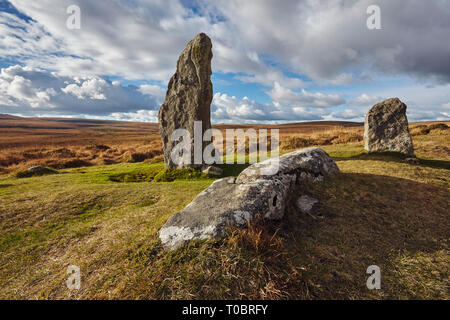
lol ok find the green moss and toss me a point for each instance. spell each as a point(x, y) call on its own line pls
point(145, 175)
point(169, 175)
point(232, 169)
point(157, 174)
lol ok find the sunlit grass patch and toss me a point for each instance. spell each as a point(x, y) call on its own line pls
point(421, 275)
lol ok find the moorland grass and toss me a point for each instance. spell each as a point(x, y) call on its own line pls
point(380, 211)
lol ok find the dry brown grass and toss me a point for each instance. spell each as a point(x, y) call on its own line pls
point(380, 210)
point(337, 135)
point(70, 143)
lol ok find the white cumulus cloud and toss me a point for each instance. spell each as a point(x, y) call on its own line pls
point(30, 91)
point(286, 97)
point(365, 100)
point(225, 107)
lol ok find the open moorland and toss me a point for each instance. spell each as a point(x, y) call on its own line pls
point(61, 143)
point(106, 195)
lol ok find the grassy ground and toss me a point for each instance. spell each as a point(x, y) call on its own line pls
point(105, 219)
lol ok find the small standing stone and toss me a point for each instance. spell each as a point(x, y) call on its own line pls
point(386, 128)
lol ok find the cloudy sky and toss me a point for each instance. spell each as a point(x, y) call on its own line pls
point(274, 61)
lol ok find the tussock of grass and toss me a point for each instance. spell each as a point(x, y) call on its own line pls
point(71, 163)
point(297, 142)
point(423, 129)
point(98, 147)
point(248, 264)
point(130, 156)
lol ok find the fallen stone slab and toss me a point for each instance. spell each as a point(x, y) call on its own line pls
point(258, 192)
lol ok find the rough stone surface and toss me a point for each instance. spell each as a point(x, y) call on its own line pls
point(252, 195)
point(386, 128)
point(188, 96)
point(309, 163)
point(35, 168)
point(212, 171)
point(306, 203)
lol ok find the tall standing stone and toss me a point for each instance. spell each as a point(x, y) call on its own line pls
point(188, 96)
point(386, 128)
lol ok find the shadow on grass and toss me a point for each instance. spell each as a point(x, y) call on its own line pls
point(395, 157)
point(365, 219)
point(232, 169)
point(236, 169)
point(435, 163)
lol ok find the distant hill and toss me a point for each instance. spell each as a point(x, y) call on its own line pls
point(78, 122)
point(4, 116)
point(9, 121)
